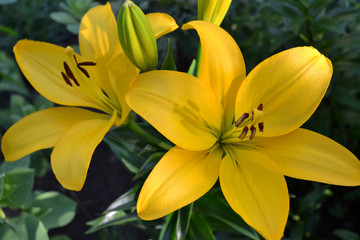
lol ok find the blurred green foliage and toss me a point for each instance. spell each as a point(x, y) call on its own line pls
point(261, 29)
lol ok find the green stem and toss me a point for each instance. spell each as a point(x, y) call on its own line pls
point(147, 136)
point(198, 60)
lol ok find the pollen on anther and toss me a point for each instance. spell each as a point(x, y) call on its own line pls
point(244, 133)
point(260, 107)
point(253, 132)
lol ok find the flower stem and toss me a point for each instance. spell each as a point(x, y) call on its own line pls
point(133, 126)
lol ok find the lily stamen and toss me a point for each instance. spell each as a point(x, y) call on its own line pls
point(253, 132)
point(241, 119)
point(261, 126)
point(244, 133)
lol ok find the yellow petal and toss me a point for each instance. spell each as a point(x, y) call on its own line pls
point(213, 11)
point(41, 130)
point(161, 23)
point(179, 178)
point(254, 187)
point(99, 41)
point(71, 156)
point(42, 64)
point(222, 65)
point(290, 85)
point(311, 156)
point(178, 105)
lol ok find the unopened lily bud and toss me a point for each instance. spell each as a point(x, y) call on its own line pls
point(213, 11)
point(137, 37)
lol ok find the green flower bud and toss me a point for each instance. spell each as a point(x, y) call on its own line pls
point(137, 37)
point(213, 11)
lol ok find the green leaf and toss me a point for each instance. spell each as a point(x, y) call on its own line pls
point(53, 209)
point(328, 24)
point(169, 62)
point(21, 163)
point(63, 17)
point(18, 184)
point(3, 2)
point(24, 227)
point(73, 28)
point(39, 163)
point(148, 165)
point(219, 214)
point(125, 201)
point(199, 228)
point(346, 234)
point(60, 237)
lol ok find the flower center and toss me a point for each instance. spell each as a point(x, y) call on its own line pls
point(246, 127)
point(76, 74)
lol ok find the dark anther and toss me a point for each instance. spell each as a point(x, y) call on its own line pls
point(260, 107)
point(253, 132)
point(68, 71)
point(243, 133)
point(84, 64)
point(241, 119)
point(69, 75)
point(83, 71)
point(67, 80)
point(261, 126)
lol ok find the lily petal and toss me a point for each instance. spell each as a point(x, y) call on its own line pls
point(42, 130)
point(222, 65)
point(254, 187)
point(71, 156)
point(42, 64)
point(289, 85)
point(180, 178)
point(311, 156)
point(161, 23)
point(99, 41)
point(179, 106)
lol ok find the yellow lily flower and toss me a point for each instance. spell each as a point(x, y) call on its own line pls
point(241, 129)
point(213, 11)
point(96, 79)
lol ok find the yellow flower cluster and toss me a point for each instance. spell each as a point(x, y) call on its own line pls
point(241, 129)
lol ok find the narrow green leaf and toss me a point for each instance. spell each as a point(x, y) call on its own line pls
point(110, 219)
point(177, 224)
point(169, 62)
point(125, 201)
point(148, 165)
point(192, 67)
point(199, 228)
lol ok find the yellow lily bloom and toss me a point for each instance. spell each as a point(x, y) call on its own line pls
point(96, 79)
point(213, 11)
point(241, 129)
